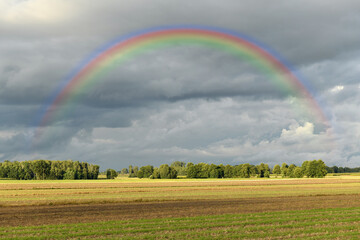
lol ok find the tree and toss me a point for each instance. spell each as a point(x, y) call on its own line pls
point(245, 171)
point(277, 170)
point(136, 169)
point(28, 173)
point(263, 170)
point(78, 170)
point(15, 170)
point(298, 173)
point(4, 169)
point(228, 171)
point(284, 170)
point(41, 169)
point(180, 167)
point(94, 171)
point(70, 174)
point(290, 170)
point(329, 169)
point(46, 169)
point(304, 168)
point(156, 174)
point(216, 171)
point(203, 170)
point(111, 174)
point(335, 169)
point(133, 171)
point(56, 170)
point(146, 171)
point(167, 172)
point(140, 174)
point(321, 169)
point(191, 171)
point(85, 172)
point(316, 168)
point(124, 171)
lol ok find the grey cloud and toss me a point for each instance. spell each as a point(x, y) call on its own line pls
point(182, 103)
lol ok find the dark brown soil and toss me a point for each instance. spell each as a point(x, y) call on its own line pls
point(39, 215)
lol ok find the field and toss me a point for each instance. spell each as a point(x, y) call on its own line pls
point(125, 208)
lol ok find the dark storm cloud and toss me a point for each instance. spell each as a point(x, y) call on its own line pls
point(327, 32)
point(178, 74)
point(307, 30)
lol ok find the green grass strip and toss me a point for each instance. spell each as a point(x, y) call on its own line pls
point(309, 224)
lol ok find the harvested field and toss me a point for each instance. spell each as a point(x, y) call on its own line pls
point(182, 208)
point(121, 191)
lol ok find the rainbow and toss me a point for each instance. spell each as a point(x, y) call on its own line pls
point(123, 48)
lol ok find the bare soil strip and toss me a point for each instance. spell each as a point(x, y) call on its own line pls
point(41, 215)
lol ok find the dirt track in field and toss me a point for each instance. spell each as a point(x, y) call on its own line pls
point(39, 215)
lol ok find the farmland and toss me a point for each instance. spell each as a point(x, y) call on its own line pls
point(181, 208)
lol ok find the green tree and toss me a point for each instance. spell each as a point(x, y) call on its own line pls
point(94, 171)
point(277, 170)
point(304, 167)
point(290, 171)
point(284, 170)
point(203, 170)
point(133, 171)
point(140, 174)
point(136, 169)
point(245, 171)
point(78, 170)
point(41, 169)
point(85, 170)
point(298, 173)
point(46, 169)
point(156, 174)
point(4, 169)
point(111, 174)
point(124, 171)
point(335, 169)
point(28, 173)
point(167, 172)
point(263, 170)
point(315, 169)
point(180, 167)
point(216, 171)
point(228, 171)
point(146, 171)
point(15, 170)
point(70, 174)
point(191, 170)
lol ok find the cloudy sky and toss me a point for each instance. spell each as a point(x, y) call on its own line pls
point(187, 102)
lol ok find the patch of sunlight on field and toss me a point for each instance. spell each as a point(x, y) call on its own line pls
point(45, 192)
point(102, 179)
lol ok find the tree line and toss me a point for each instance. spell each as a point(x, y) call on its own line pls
point(48, 169)
point(163, 172)
point(336, 169)
point(311, 169)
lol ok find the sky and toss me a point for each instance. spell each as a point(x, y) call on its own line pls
point(185, 103)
